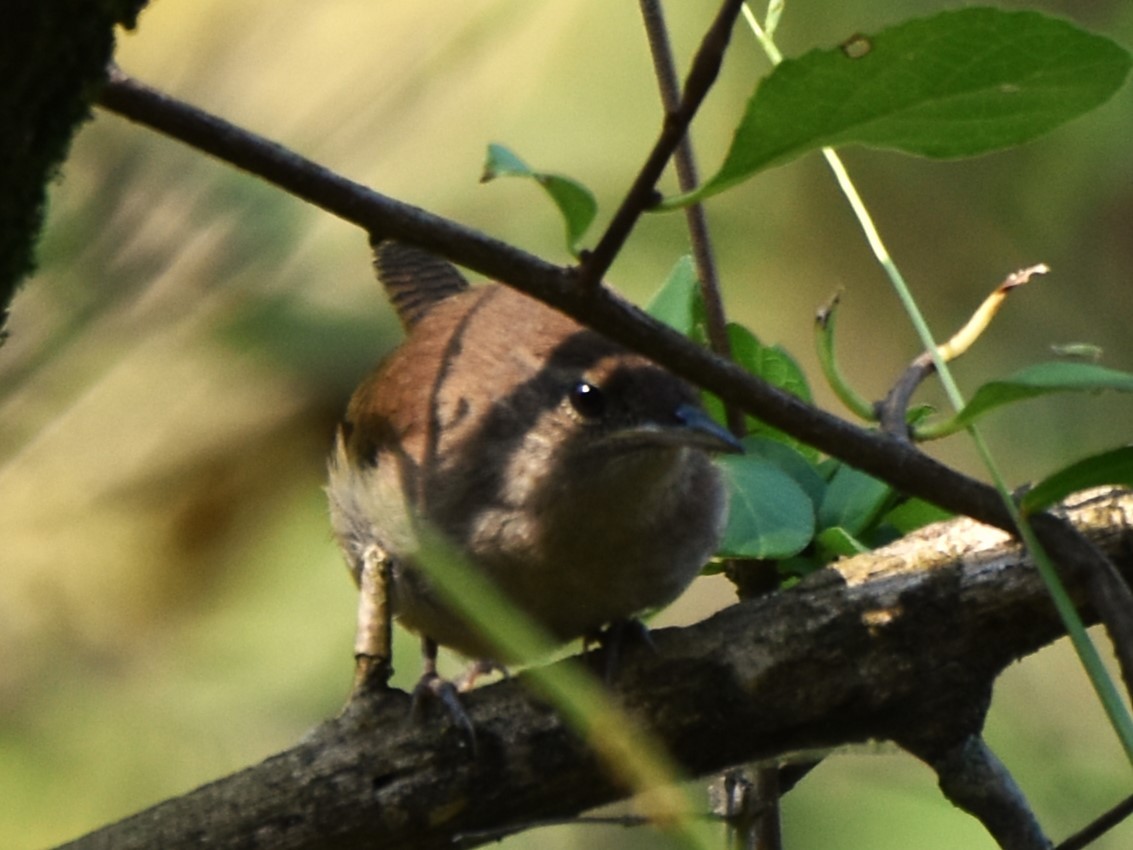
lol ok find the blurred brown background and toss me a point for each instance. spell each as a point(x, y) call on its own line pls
point(172, 605)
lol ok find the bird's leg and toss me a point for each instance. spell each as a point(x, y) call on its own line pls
point(432, 687)
point(614, 638)
point(373, 639)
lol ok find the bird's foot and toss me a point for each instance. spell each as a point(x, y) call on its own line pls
point(432, 688)
point(613, 640)
point(479, 667)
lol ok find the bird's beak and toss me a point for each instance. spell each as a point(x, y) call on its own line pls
point(698, 429)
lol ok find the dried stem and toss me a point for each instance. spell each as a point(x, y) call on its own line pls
point(892, 411)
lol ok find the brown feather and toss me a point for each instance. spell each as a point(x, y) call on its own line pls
point(414, 280)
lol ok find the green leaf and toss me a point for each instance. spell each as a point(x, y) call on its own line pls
point(774, 365)
point(1042, 379)
point(769, 515)
point(576, 203)
point(912, 514)
point(1112, 467)
point(836, 542)
point(791, 461)
point(960, 83)
point(853, 501)
point(770, 362)
point(677, 302)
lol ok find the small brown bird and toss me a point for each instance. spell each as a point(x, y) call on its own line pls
point(572, 471)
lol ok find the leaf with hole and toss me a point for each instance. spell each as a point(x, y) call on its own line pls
point(959, 83)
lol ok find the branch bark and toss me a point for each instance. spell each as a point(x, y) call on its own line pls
point(901, 644)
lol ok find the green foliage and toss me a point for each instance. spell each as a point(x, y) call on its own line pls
point(1111, 467)
point(575, 202)
point(1031, 382)
point(853, 501)
point(770, 515)
point(678, 303)
point(788, 507)
point(960, 83)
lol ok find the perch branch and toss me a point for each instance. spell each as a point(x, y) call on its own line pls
point(901, 644)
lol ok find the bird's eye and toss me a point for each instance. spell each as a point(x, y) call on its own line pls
point(588, 400)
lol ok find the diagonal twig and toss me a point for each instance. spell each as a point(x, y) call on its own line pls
point(642, 193)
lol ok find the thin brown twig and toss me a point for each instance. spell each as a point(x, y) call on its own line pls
point(765, 832)
point(1098, 827)
point(642, 193)
point(716, 324)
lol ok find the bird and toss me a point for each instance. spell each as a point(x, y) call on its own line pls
point(574, 473)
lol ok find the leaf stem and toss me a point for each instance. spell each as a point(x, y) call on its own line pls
point(1100, 679)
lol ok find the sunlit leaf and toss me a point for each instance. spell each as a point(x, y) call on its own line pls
point(576, 203)
point(959, 83)
point(770, 362)
point(1112, 467)
point(912, 514)
point(1044, 379)
point(836, 542)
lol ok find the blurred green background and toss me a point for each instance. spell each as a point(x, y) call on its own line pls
point(173, 607)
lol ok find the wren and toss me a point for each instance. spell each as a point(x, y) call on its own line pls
point(573, 472)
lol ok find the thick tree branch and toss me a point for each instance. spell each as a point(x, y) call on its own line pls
point(975, 780)
point(900, 644)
